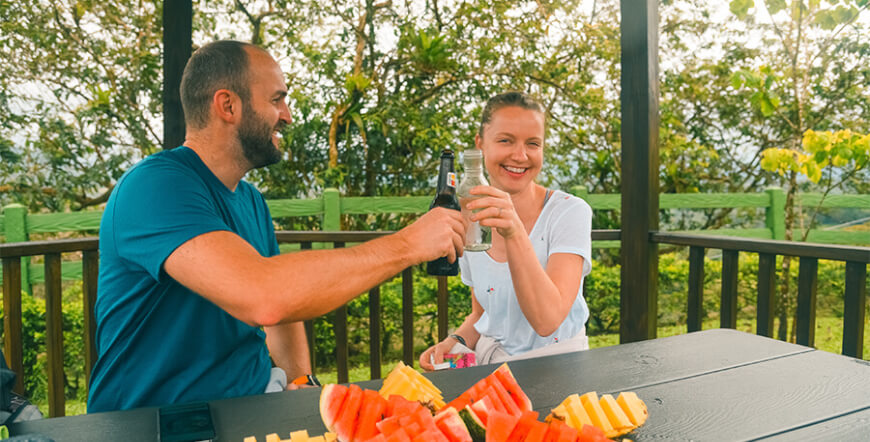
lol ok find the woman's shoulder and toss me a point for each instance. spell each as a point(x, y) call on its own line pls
point(563, 202)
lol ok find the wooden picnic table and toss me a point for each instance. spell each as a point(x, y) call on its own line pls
point(709, 385)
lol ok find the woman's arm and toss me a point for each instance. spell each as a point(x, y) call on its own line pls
point(544, 295)
point(466, 331)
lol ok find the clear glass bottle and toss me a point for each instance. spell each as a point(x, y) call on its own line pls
point(477, 238)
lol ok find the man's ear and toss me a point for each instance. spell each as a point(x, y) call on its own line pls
point(227, 106)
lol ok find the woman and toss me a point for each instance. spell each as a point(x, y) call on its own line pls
point(527, 290)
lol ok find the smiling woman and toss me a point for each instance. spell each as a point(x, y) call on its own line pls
point(527, 289)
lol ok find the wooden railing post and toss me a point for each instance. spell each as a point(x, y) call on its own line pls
point(695, 315)
point(853, 311)
point(15, 230)
point(331, 210)
point(774, 214)
point(766, 302)
point(728, 306)
point(639, 98)
point(808, 278)
point(12, 344)
point(54, 334)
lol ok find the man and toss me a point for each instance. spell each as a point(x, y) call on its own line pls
point(190, 269)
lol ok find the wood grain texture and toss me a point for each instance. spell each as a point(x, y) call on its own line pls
point(697, 386)
point(755, 400)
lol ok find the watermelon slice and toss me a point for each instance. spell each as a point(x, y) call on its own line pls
point(499, 426)
point(346, 423)
point(332, 397)
point(506, 377)
point(452, 426)
point(475, 426)
point(370, 414)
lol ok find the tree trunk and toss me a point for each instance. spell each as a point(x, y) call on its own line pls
point(784, 304)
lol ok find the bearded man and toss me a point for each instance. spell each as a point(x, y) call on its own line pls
point(194, 301)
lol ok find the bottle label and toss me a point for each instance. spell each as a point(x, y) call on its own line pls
point(451, 179)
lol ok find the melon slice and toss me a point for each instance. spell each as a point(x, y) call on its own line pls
point(593, 408)
point(501, 387)
point(621, 423)
point(410, 384)
point(633, 407)
point(452, 426)
point(614, 417)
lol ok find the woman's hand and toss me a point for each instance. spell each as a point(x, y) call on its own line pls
point(494, 208)
point(437, 352)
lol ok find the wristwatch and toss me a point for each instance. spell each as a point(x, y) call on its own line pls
point(458, 338)
point(308, 379)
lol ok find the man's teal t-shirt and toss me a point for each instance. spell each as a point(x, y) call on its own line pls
point(158, 342)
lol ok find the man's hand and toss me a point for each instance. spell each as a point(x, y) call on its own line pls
point(439, 232)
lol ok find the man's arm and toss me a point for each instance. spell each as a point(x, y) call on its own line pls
point(288, 346)
point(228, 271)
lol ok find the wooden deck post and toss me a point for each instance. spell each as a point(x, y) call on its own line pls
point(639, 98)
point(15, 230)
point(177, 47)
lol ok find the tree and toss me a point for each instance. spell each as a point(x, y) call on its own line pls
point(80, 95)
point(811, 76)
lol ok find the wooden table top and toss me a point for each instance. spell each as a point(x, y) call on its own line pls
point(710, 385)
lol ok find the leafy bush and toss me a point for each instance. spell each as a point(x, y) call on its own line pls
point(33, 336)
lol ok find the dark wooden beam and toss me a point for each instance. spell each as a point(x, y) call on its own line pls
point(177, 47)
point(639, 98)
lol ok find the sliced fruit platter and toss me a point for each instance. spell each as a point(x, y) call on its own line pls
point(410, 408)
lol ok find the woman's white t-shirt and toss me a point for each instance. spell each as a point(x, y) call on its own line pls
point(564, 226)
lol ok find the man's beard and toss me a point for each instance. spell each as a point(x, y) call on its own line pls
point(255, 136)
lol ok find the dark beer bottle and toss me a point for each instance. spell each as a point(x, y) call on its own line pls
point(445, 196)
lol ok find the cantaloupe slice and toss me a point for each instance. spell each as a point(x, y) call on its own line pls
point(410, 384)
point(299, 436)
point(596, 414)
point(621, 423)
point(633, 407)
point(273, 437)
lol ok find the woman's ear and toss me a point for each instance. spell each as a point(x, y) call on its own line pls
point(478, 142)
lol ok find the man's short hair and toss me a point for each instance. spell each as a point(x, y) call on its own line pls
point(218, 65)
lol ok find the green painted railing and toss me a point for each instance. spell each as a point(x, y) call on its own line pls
point(17, 225)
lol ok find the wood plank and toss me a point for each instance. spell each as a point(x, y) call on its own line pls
point(765, 398)
point(31, 248)
point(833, 201)
point(442, 308)
point(375, 332)
point(789, 248)
point(546, 381)
point(64, 221)
point(295, 207)
point(408, 316)
point(177, 48)
point(854, 302)
point(808, 278)
point(696, 289)
point(766, 302)
point(385, 204)
point(12, 343)
point(639, 98)
point(839, 237)
point(90, 277)
point(728, 306)
point(712, 200)
point(841, 426)
point(54, 335)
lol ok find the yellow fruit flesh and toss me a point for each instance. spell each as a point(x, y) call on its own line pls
point(596, 414)
point(408, 383)
point(581, 417)
point(250, 439)
point(273, 438)
point(633, 407)
point(299, 436)
point(621, 423)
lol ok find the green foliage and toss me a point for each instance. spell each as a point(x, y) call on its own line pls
point(34, 351)
point(843, 151)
